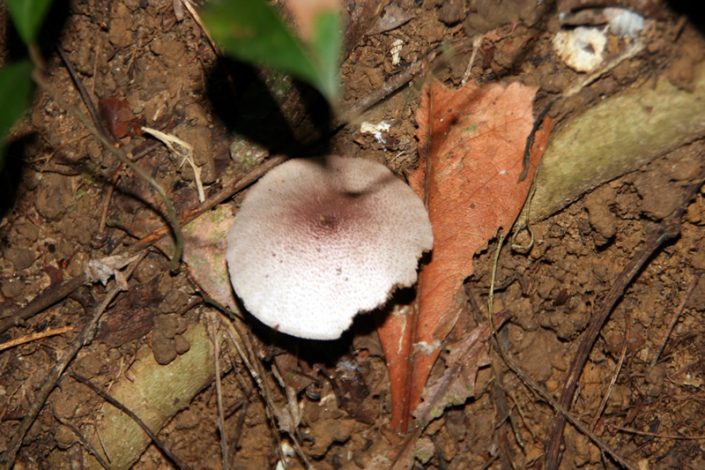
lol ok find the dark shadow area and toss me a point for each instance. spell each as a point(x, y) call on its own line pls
point(246, 104)
point(692, 10)
point(53, 26)
point(15, 151)
point(11, 174)
point(49, 33)
point(327, 352)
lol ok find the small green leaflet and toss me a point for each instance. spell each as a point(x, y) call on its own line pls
point(253, 31)
point(27, 15)
point(15, 93)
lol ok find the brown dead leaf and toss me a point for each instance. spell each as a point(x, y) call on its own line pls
point(473, 143)
point(205, 243)
point(457, 383)
point(118, 117)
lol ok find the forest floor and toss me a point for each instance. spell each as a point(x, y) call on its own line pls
point(65, 201)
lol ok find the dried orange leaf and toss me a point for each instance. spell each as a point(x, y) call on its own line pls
point(473, 141)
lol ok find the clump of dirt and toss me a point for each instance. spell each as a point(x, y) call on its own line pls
point(70, 202)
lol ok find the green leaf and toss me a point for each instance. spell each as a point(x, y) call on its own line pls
point(15, 92)
point(27, 15)
point(253, 31)
point(326, 46)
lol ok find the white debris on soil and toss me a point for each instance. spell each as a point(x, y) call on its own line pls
point(396, 50)
point(377, 130)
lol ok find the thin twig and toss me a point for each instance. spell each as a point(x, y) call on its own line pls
point(208, 300)
point(674, 319)
point(387, 89)
point(35, 336)
point(603, 404)
point(110, 399)
point(211, 319)
point(86, 335)
point(664, 233)
point(104, 209)
point(84, 442)
point(239, 424)
point(535, 387)
point(85, 97)
point(122, 157)
point(45, 299)
point(502, 417)
point(677, 437)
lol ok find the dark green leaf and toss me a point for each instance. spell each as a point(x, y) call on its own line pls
point(253, 31)
point(326, 47)
point(27, 15)
point(15, 92)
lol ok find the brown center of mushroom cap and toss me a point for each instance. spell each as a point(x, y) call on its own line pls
point(317, 241)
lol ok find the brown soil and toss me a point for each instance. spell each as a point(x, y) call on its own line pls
point(59, 212)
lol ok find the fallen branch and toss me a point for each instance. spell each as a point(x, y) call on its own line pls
point(45, 299)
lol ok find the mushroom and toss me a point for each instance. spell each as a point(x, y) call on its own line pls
point(317, 241)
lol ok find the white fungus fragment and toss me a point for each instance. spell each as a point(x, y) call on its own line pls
point(623, 22)
point(377, 130)
point(395, 51)
point(581, 48)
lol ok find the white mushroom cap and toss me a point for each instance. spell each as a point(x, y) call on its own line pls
point(318, 240)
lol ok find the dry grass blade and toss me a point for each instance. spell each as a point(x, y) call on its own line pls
point(35, 336)
point(246, 352)
point(214, 335)
point(180, 149)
